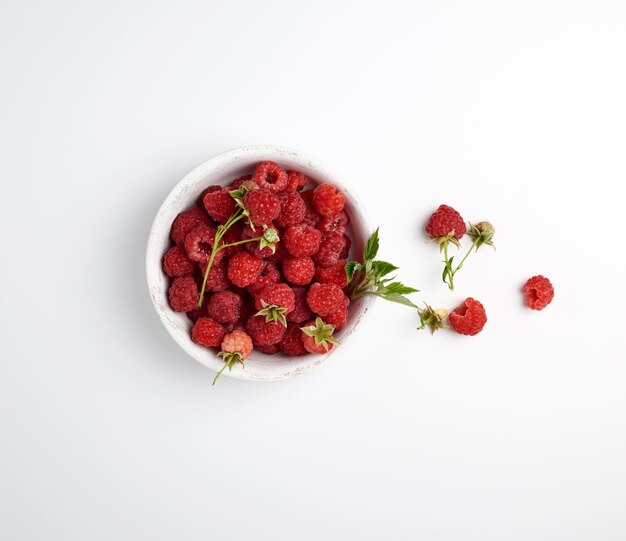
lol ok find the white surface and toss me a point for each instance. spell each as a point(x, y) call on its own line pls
point(224, 168)
point(512, 111)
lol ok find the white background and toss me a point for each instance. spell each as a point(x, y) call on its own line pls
point(510, 111)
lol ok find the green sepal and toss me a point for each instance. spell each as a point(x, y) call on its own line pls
point(230, 360)
point(322, 333)
point(269, 239)
point(273, 313)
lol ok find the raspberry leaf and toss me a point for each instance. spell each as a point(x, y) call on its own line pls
point(382, 268)
point(351, 268)
point(399, 289)
point(371, 248)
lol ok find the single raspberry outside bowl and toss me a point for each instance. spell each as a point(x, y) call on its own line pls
point(222, 169)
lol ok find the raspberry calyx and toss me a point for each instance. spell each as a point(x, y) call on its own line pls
point(432, 318)
point(273, 312)
point(321, 333)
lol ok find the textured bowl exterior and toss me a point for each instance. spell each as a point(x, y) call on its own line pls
point(220, 170)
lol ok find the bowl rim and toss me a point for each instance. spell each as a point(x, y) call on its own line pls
point(274, 153)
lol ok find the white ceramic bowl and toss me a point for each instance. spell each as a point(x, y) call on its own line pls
point(221, 170)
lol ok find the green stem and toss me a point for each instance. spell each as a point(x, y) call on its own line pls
point(450, 275)
point(220, 372)
point(221, 231)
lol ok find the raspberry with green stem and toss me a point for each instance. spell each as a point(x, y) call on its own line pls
point(236, 346)
point(269, 238)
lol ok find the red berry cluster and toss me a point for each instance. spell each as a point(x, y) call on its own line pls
point(289, 296)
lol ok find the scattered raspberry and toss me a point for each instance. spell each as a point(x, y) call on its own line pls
point(330, 249)
point(337, 222)
point(264, 333)
point(444, 222)
point(244, 268)
point(538, 292)
point(237, 342)
point(236, 184)
point(269, 176)
point(346, 249)
point(224, 307)
point(302, 240)
point(335, 274)
point(469, 318)
point(176, 262)
point(296, 181)
point(220, 205)
point(292, 209)
point(216, 281)
point(280, 295)
point(269, 275)
point(187, 221)
point(292, 344)
point(199, 244)
point(327, 200)
point(301, 311)
point(268, 350)
point(263, 206)
point(298, 270)
point(207, 332)
point(253, 247)
point(325, 299)
point(183, 294)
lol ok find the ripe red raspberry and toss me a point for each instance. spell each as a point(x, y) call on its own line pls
point(327, 200)
point(236, 184)
point(296, 181)
point(176, 262)
point(269, 176)
point(444, 222)
point(220, 205)
point(301, 311)
point(311, 217)
point(187, 221)
point(264, 333)
point(207, 332)
point(244, 268)
point(292, 344)
point(183, 294)
point(337, 319)
point(253, 247)
point(337, 222)
point(269, 275)
point(200, 200)
point(263, 206)
point(224, 307)
point(237, 342)
point(280, 295)
point(268, 350)
point(199, 244)
point(302, 240)
point(346, 249)
point(298, 270)
point(317, 336)
point(469, 318)
point(325, 299)
point(335, 274)
point(292, 209)
point(216, 281)
point(538, 292)
point(330, 249)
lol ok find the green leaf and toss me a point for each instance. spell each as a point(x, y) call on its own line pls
point(382, 268)
point(397, 298)
point(397, 288)
point(351, 268)
point(371, 248)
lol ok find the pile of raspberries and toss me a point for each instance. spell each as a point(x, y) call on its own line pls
point(304, 277)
